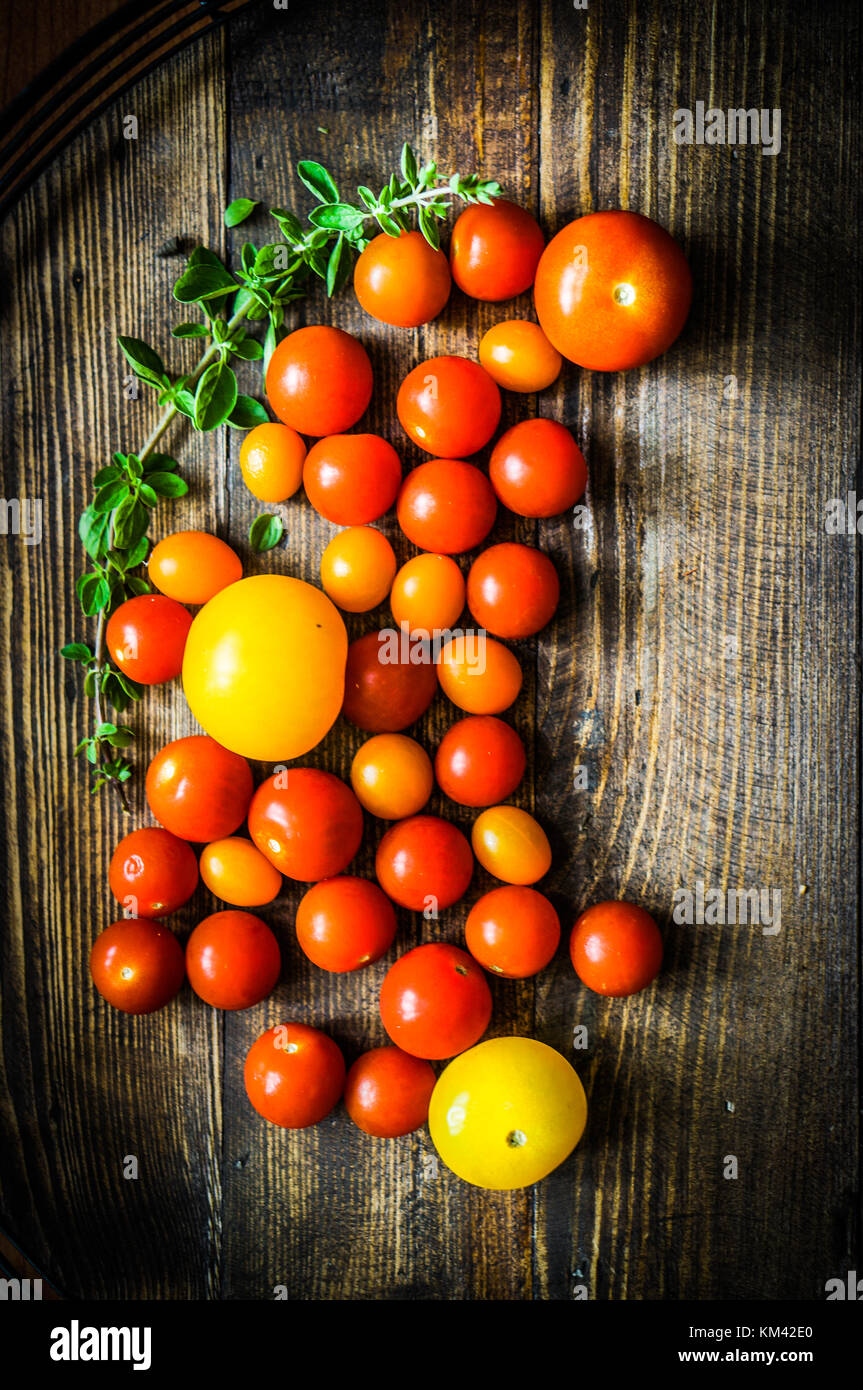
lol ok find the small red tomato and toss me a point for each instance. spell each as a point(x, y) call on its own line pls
point(435, 1001)
point(152, 872)
point(307, 822)
point(449, 406)
point(494, 250)
point(446, 505)
point(537, 469)
point(616, 948)
point(383, 692)
point(232, 960)
point(512, 589)
point(199, 790)
point(519, 357)
point(513, 931)
point(352, 479)
point(387, 1092)
point(137, 965)
point(146, 636)
point(319, 380)
point(424, 862)
point(480, 761)
point(294, 1075)
point(344, 923)
point(402, 280)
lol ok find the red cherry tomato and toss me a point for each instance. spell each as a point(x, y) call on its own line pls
point(152, 872)
point(345, 923)
point(402, 280)
point(352, 478)
point(197, 789)
point(233, 960)
point(307, 822)
point(616, 948)
point(319, 380)
point(612, 291)
point(294, 1075)
point(519, 357)
point(449, 406)
point(387, 1092)
point(495, 250)
point(384, 693)
point(537, 469)
point(137, 965)
point(435, 1001)
point(146, 636)
point(446, 505)
point(424, 863)
point(512, 590)
point(513, 931)
point(480, 761)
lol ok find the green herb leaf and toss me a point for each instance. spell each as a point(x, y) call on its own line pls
point(266, 531)
point(409, 165)
point(93, 593)
point(249, 349)
point(184, 401)
point(202, 255)
point(106, 475)
point(137, 554)
point(167, 484)
point(429, 228)
point(147, 494)
point(388, 224)
point(247, 413)
point(160, 463)
point(340, 217)
point(237, 211)
point(190, 330)
point(290, 225)
point(338, 266)
point(317, 181)
point(130, 523)
point(145, 363)
point(93, 531)
point(201, 282)
point(110, 496)
point(122, 738)
point(76, 651)
point(130, 687)
point(137, 585)
point(215, 397)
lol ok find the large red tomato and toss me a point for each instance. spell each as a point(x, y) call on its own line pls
point(424, 863)
point(232, 960)
point(384, 693)
point(137, 965)
point(495, 250)
point(512, 589)
point(294, 1075)
point(480, 761)
point(446, 505)
point(402, 280)
point(449, 406)
point(612, 291)
point(199, 790)
point(344, 923)
point(319, 380)
point(435, 1001)
point(307, 822)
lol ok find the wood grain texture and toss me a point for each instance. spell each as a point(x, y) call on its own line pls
point(702, 669)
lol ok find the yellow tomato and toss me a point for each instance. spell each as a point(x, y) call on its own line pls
point(392, 776)
point(192, 566)
point(519, 357)
point(511, 844)
point(264, 667)
point(271, 462)
point(358, 568)
point(507, 1112)
point(238, 873)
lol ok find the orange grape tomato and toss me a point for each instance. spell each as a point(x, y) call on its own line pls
point(510, 844)
point(238, 873)
point(517, 354)
point(402, 280)
point(428, 593)
point(271, 462)
point(192, 566)
point(358, 568)
point(392, 776)
point(479, 675)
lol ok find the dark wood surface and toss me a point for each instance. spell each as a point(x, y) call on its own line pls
point(703, 667)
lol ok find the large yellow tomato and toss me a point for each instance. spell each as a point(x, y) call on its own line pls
point(507, 1112)
point(264, 667)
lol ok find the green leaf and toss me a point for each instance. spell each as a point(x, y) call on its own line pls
point(247, 256)
point(338, 266)
point(103, 729)
point(317, 181)
point(202, 255)
point(130, 523)
point(167, 484)
point(249, 303)
point(237, 211)
point(136, 585)
point(93, 532)
point(76, 651)
point(215, 397)
point(290, 225)
point(122, 738)
point(184, 401)
point(147, 493)
point(266, 531)
point(106, 475)
point(273, 260)
point(190, 330)
point(274, 336)
point(429, 228)
point(341, 217)
point(93, 593)
point(200, 282)
point(247, 413)
point(135, 466)
point(388, 224)
point(249, 349)
point(137, 554)
point(130, 687)
point(80, 747)
point(145, 363)
point(110, 496)
point(409, 165)
point(159, 463)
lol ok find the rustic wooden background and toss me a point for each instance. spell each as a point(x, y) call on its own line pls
point(703, 667)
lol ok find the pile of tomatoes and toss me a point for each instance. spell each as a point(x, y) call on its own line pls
point(611, 290)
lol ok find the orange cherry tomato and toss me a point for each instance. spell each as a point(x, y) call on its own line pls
point(387, 1092)
point(307, 822)
point(537, 469)
point(352, 478)
point(345, 923)
point(480, 761)
point(137, 965)
point(319, 380)
point(435, 1001)
point(519, 357)
point(478, 674)
point(232, 960)
point(402, 280)
point(446, 505)
point(385, 690)
point(392, 776)
point(616, 948)
point(511, 844)
point(271, 462)
point(191, 566)
point(358, 568)
point(294, 1075)
point(512, 589)
point(238, 873)
point(612, 291)
point(424, 863)
point(152, 872)
point(197, 789)
point(146, 637)
point(428, 594)
point(513, 931)
point(449, 406)
point(494, 250)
